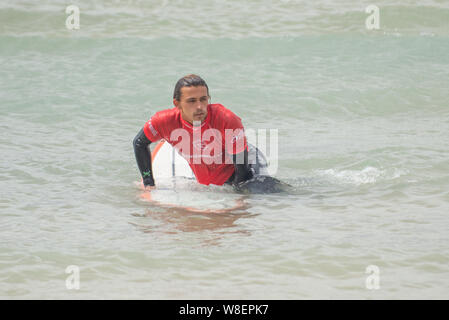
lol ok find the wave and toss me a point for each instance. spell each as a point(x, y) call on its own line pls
point(221, 19)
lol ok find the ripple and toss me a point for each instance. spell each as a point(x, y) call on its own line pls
point(368, 175)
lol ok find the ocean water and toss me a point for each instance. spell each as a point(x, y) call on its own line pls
point(362, 118)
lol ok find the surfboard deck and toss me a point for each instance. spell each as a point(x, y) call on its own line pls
point(168, 163)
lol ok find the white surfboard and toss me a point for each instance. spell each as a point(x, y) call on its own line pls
point(168, 163)
point(176, 186)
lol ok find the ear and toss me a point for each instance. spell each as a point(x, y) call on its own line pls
point(176, 103)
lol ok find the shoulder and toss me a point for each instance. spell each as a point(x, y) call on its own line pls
point(165, 117)
point(161, 124)
point(220, 109)
point(223, 114)
point(166, 114)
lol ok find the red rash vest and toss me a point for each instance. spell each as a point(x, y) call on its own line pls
point(207, 148)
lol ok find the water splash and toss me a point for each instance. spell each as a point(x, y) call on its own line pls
point(368, 175)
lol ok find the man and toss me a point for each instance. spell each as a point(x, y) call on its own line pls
point(221, 157)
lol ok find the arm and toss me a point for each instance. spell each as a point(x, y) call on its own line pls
point(143, 158)
point(242, 169)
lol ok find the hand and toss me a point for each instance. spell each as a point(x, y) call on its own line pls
point(148, 188)
point(148, 183)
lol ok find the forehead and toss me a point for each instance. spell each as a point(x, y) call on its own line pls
point(193, 92)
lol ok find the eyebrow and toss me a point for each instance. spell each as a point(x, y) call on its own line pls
point(190, 98)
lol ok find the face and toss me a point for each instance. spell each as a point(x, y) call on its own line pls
point(193, 103)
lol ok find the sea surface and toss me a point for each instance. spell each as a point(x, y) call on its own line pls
point(362, 121)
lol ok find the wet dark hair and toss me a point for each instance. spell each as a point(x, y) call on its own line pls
point(190, 80)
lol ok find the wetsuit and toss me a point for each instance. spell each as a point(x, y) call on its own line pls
point(217, 150)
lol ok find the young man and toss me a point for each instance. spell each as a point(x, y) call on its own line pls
point(209, 136)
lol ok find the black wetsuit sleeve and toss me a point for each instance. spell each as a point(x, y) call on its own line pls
point(242, 170)
point(143, 158)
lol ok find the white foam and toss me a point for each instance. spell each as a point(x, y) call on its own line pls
point(365, 176)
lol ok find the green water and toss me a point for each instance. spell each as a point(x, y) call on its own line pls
point(362, 119)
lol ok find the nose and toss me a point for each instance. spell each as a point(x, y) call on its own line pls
point(199, 107)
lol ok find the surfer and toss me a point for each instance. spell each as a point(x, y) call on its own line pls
point(217, 161)
point(209, 136)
